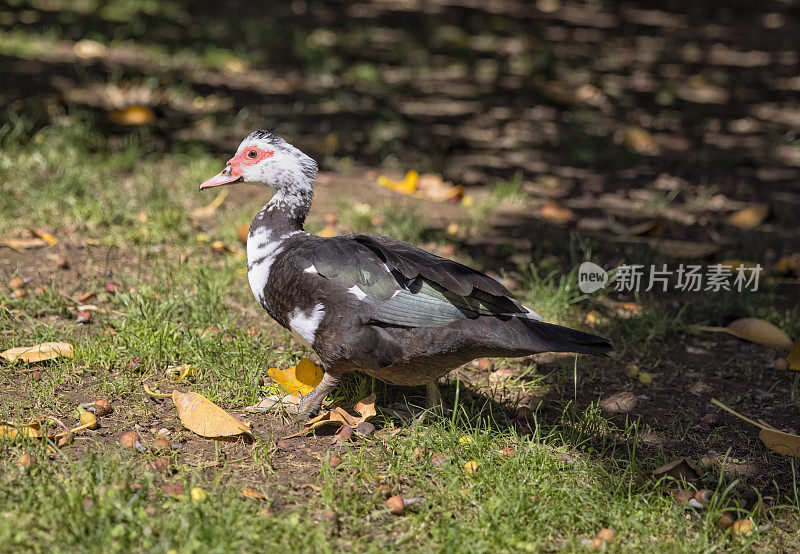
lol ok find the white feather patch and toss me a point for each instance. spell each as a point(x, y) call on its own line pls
point(311, 269)
point(532, 314)
point(357, 292)
point(305, 324)
point(262, 249)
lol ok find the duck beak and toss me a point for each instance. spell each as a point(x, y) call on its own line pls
point(228, 175)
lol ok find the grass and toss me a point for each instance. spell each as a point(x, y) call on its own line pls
point(577, 472)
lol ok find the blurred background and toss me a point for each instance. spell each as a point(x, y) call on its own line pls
point(587, 95)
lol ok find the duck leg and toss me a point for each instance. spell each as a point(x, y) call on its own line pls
point(310, 403)
point(434, 397)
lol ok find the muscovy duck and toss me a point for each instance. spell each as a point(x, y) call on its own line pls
point(370, 303)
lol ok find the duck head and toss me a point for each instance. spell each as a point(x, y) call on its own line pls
point(266, 159)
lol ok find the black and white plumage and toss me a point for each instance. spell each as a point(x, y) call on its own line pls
point(371, 303)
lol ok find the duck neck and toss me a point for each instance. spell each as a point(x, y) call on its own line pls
point(286, 212)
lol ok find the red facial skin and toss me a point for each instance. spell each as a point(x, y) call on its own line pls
point(234, 168)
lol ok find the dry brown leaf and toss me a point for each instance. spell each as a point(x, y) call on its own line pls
point(200, 415)
point(682, 468)
point(556, 213)
point(12, 431)
point(755, 330)
point(339, 416)
point(38, 352)
point(759, 331)
point(750, 217)
point(686, 250)
point(433, 187)
point(211, 208)
point(781, 442)
point(23, 244)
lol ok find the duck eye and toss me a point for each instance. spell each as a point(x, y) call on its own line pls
point(252, 154)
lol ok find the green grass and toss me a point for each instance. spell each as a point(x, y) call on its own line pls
point(199, 310)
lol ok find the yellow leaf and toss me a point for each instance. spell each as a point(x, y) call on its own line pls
point(39, 352)
point(132, 115)
point(759, 331)
point(407, 186)
point(781, 442)
point(794, 357)
point(45, 236)
point(301, 378)
point(200, 415)
point(750, 217)
point(211, 208)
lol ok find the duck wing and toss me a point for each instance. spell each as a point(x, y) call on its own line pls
point(402, 285)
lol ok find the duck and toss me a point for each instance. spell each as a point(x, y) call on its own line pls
point(371, 303)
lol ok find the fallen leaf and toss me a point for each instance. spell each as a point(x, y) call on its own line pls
point(39, 352)
point(211, 208)
point(254, 494)
point(554, 212)
point(781, 442)
point(302, 378)
point(748, 218)
point(44, 235)
point(794, 357)
point(433, 187)
point(759, 331)
point(132, 115)
point(680, 469)
point(200, 415)
point(686, 250)
point(20, 245)
point(406, 186)
point(12, 431)
point(339, 416)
